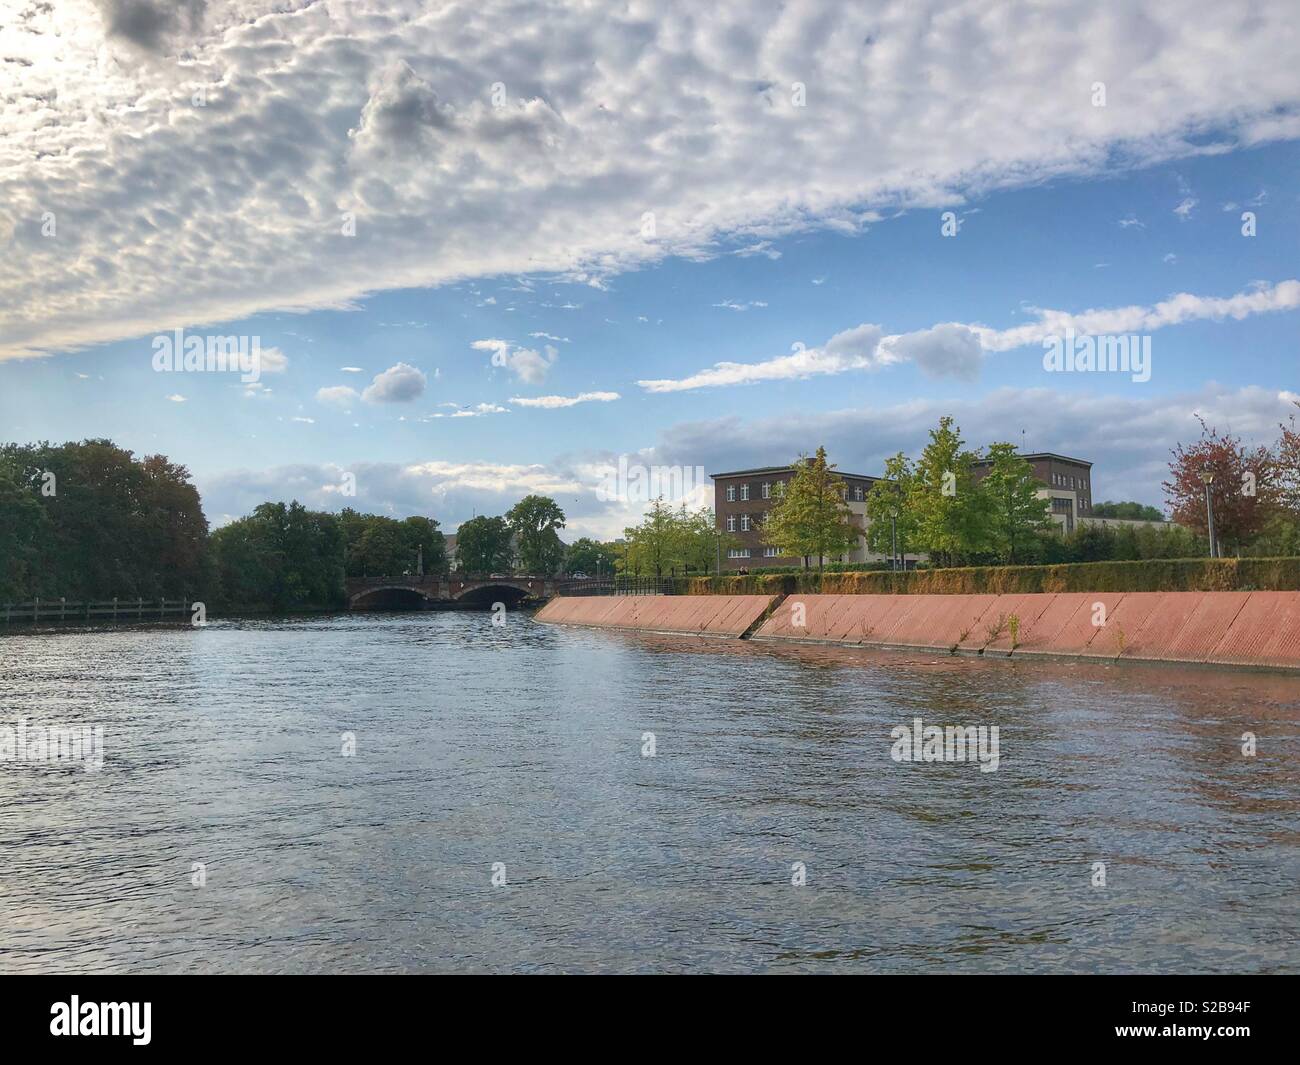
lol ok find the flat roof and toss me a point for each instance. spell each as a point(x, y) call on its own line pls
point(789, 469)
point(1041, 455)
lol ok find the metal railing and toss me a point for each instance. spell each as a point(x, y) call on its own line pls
point(618, 586)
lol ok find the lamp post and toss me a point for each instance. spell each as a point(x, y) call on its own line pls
point(1207, 479)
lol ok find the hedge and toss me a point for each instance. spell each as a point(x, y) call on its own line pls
point(1148, 575)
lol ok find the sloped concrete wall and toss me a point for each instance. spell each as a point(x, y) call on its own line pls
point(1231, 628)
point(708, 615)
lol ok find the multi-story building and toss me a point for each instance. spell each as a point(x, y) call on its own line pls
point(742, 499)
point(1067, 483)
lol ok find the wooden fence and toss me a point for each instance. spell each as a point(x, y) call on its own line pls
point(52, 610)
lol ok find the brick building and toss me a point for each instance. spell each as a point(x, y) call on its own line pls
point(742, 498)
point(1067, 484)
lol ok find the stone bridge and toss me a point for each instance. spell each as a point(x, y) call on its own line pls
point(434, 592)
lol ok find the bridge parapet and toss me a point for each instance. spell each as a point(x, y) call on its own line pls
point(436, 588)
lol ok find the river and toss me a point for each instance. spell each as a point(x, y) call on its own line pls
point(228, 832)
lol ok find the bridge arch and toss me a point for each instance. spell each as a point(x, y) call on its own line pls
point(510, 592)
point(388, 597)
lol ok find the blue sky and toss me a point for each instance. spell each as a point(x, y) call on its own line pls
point(842, 252)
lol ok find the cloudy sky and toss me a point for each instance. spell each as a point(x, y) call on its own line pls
point(489, 248)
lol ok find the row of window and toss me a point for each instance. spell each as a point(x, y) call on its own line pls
point(746, 522)
point(743, 552)
point(767, 489)
point(1062, 480)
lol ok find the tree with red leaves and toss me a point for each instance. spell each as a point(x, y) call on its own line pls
point(1288, 467)
point(1244, 490)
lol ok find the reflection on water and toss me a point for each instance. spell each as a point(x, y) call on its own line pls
point(522, 745)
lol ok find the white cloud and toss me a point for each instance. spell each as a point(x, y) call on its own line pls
point(553, 402)
point(853, 349)
point(338, 395)
point(1185, 208)
point(171, 214)
point(398, 384)
point(272, 360)
point(176, 397)
point(351, 369)
point(1128, 437)
point(735, 305)
point(527, 364)
point(953, 349)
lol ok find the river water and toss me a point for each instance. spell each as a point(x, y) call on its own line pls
point(525, 745)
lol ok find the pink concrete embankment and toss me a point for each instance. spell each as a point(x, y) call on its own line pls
point(705, 615)
point(1224, 628)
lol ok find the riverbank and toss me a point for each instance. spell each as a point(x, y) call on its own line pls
point(1228, 629)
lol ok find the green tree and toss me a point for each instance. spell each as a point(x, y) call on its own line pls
point(589, 556)
point(424, 540)
point(948, 513)
point(24, 533)
point(483, 546)
point(888, 512)
point(1015, 511)
point(536, 521)
point(281, 558)
point(654, 545)
point(811, 518)
point(1126, 510)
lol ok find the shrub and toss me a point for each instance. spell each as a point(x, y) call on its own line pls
point(1148, 575)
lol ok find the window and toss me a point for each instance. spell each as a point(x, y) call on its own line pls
point(857, 493)
point(744, 492)
point(767, 490)
point(738, 552)
point(731, 493)
point(744, 523)
point(731, 523)
point(780, 489)
point(770, 552)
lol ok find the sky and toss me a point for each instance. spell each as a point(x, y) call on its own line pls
point(487, 249)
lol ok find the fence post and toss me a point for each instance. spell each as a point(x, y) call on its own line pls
point(114, 608)
point(36, 609)
point(139, 606)
point(63, 607)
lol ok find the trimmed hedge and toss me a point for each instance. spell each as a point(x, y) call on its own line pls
point(1149, 575)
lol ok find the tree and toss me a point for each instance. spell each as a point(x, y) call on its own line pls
point(653, 546)
point(1288, 467)
point(890, 521)
point(589, 556)
point(536, 521)
point(423, 540)
point(949, 515)
point(483, 545)
point(1127, 511)
point(281, 558)
point(113, 525)
point(1244, 491)
point(812, 518)
point(1017, 514)
point(24, 533)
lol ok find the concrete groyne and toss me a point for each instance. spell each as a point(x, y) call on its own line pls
point(1214, 628)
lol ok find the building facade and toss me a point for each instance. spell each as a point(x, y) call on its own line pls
point(742, 499)
point(1067, 485)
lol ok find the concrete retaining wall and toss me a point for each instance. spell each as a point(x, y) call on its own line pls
point(707, 615)
point(1229, 628)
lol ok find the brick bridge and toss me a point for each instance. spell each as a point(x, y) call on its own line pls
point(433, 592)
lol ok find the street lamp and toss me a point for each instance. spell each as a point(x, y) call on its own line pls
point(1207, 479)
